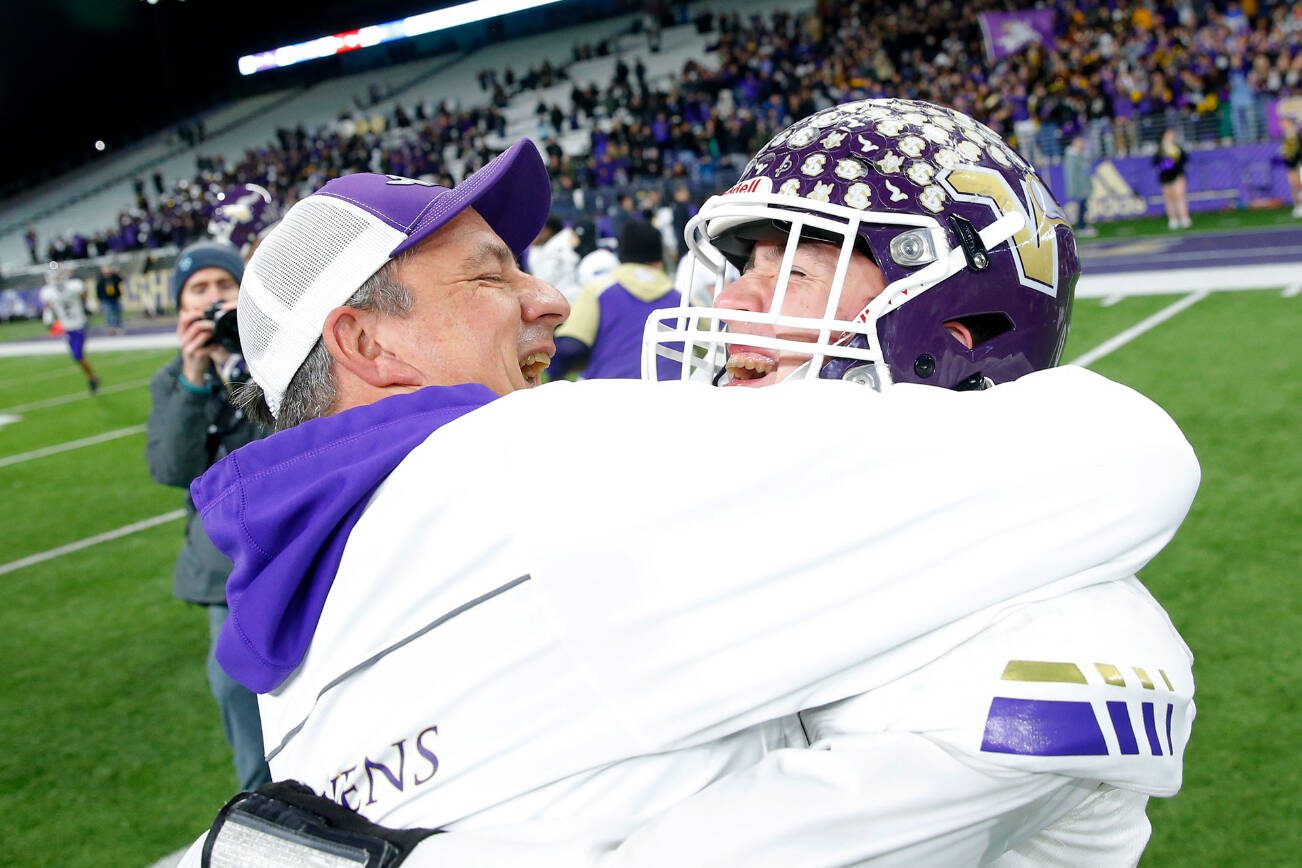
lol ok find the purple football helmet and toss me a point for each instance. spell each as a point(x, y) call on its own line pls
point(959, 224)
point(241, 215)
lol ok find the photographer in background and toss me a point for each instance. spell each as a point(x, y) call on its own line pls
point(192, 425)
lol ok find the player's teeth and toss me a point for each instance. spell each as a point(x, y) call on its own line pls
point(751, 364)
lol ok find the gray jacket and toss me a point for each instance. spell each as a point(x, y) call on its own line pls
point(187, 434)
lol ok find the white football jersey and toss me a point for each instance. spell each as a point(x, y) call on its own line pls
point(65, 301)
point(1035, 742)
point(536, 637)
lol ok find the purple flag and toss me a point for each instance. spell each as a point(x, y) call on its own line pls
point(1009, 32)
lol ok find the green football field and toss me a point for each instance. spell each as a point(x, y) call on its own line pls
point(112, 753)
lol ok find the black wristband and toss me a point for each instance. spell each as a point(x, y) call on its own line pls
point(285, 823)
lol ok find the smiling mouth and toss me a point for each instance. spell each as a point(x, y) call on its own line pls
point(533, 366)
point(749, 368)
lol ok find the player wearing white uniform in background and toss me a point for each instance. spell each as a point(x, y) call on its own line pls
point(554, 259)
point(438, 652)
point(64, 300)
point(694, 283)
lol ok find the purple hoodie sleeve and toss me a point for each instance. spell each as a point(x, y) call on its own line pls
point(282, 509)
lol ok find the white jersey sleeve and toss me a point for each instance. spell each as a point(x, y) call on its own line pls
point(829, 525)
point(899, 799)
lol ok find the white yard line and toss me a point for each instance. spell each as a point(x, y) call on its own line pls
point(1176, 256)
point(95, 345)
point(118, 533)
point(1117, 342)
point(68, 399)
point(10, 460)
point(1172, 281)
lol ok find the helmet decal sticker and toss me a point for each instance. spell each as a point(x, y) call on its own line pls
point(833, 140)
point(921, 172)
point(850, 169)
point(859, 196)
point(948, 158)
point(912, 146)
point(803, 136)
point(890, 163)
point(933, 199)
point(814, 164)
point(935, 134)
point(822, 192)
point(890, 127)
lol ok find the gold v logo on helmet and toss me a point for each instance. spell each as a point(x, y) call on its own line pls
point(1035, 245)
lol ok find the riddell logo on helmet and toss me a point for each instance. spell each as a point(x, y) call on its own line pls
point(754, 185)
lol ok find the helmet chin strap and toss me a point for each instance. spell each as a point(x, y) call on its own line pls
point(850, 370)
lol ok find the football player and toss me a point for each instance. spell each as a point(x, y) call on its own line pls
point(891, 241)
point(64, 301)
point(434, 650)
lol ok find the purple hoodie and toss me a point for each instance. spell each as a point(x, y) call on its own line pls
point(282, 509)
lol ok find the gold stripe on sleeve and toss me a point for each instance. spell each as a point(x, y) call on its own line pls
point(1043, 670)
point(1111, 674)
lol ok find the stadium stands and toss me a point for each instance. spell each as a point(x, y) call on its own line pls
point(628, 117)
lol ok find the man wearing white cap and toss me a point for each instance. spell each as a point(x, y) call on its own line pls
point(436, 648)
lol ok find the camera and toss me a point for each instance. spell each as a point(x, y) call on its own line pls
point(225, 328)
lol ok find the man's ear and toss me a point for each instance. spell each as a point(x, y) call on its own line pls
point(961, 333)
point(359, 342)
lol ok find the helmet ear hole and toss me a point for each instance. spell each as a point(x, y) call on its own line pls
point(983, 327)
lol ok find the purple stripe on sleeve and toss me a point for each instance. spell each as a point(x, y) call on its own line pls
point(1041, 727)
point(1170, 709)
point(1121, 723)
point(1150, 727)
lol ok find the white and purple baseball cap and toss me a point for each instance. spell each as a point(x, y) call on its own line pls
point(331, 242)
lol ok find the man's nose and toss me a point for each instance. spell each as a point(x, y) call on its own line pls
point(750, 292)
point(541, 301)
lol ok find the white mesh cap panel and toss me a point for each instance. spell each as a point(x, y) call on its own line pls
point(312, 262)
point(305, 248)
point(256, 328)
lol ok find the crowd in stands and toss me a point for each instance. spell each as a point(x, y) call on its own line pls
point(1118, 72)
